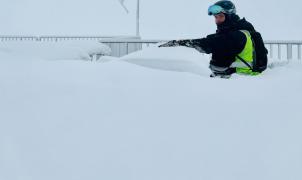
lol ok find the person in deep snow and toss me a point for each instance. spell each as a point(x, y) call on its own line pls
point(236, 47)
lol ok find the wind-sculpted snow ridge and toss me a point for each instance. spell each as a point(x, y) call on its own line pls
point(180, 59)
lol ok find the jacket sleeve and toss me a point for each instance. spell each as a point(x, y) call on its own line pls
point(224, 44)
point(214, 43)
point(225, 47)
point(229, 44)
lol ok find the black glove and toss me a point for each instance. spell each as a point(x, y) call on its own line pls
point(185, 43)
point(169, 44)
point(174, 43)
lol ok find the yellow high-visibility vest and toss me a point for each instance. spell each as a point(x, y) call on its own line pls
point(248, 55)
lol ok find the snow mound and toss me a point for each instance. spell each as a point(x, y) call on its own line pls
point(91, 120)
point(68, 50)
point(183, 59)
point(179, 59)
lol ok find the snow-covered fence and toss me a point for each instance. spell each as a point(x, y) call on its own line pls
point(123, 45)
point(83, 38)
point(62, 38)
point(285, 49)
point(18, 38)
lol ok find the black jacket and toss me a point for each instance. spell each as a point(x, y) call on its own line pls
point(226, 43)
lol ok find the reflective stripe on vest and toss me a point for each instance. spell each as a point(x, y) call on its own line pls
point(240, 64)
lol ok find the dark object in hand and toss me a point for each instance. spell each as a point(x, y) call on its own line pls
point(170, 44)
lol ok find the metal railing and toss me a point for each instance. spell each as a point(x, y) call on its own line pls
point(18, 38)
point(284, 46)
point(61, 38)
point(123, 45)
point(285, 49)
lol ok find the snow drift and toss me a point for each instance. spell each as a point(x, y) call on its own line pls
point(55, 50)
point(115, 120)
point(174, 59)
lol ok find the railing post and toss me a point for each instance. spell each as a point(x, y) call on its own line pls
point(127, 48)
point(289, 52)
point(271, 50)
point(119, 49)
point(279, 51)
point(299, 51)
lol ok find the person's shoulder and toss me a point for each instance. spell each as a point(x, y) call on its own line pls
point(237, 33)
point(238, 37)
point(243, 24)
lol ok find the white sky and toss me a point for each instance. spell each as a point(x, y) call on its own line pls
point(276, 19)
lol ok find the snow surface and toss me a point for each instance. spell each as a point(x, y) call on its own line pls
point(115, 120)
point(174, 59)
point(81, 50)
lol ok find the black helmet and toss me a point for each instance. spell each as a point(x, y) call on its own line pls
point(224, 6)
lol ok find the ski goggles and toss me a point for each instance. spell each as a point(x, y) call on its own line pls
point(214, 10)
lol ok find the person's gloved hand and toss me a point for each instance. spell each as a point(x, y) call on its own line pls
point(169, 44)
point(185, 43)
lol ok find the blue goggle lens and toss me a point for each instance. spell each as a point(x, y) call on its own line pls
point(214, 10)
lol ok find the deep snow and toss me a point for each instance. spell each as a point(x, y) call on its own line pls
point(112, 119)
point(67, 50)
